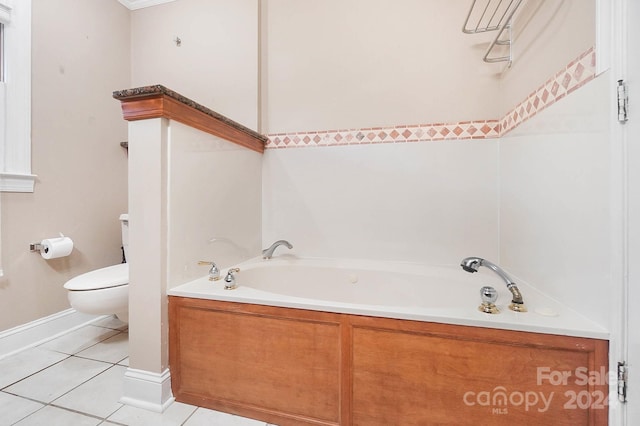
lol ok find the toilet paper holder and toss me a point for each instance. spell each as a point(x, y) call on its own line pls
point(38, 247)
point(35, 247)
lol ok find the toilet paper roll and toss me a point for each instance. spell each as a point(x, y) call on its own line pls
point(52, 248)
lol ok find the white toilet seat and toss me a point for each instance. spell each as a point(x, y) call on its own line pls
point(103, 278)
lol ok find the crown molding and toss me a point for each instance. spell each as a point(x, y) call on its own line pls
point(139, 4)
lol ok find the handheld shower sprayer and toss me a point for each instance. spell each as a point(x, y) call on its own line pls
point(472, 264)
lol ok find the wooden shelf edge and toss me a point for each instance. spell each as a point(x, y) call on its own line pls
point(159, 102)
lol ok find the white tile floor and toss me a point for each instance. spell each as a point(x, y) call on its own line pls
point(76, 379)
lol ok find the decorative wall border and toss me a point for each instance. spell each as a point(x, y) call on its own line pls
point(395, 134)
point(573, 76)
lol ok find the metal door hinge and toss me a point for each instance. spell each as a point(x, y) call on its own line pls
point(623, 101)
point(622, 381)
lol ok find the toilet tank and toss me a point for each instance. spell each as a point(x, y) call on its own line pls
point(124, 224)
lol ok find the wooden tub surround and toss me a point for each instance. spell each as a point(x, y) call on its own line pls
point(159, 102)
point(300, 367)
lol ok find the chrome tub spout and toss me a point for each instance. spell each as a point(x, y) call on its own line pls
point(268, 252)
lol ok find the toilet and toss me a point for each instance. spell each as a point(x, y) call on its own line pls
point(106, 290)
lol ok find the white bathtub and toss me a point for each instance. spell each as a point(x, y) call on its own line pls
point(444, 294)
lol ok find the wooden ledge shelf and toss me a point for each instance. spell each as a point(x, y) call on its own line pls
point(159, 102)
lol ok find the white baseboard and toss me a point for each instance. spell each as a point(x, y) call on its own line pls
point(147, 390)
point(42, 330)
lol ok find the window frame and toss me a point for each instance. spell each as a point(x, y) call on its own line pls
point(15, 98)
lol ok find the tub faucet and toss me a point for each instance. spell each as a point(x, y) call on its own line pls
point(230, 280)
point(472, 264)
point(214, 272)
point(268, 252)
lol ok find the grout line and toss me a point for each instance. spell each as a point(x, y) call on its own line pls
point(93, 416)
point(113, 421)
point(189, 417)
point(33, 374)
point(88, 347)
point(34, 325)
point(110, 365)
point(28, 399)
point(52, 403)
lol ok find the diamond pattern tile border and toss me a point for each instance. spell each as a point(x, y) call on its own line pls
point(397, 134)
point(574, 76)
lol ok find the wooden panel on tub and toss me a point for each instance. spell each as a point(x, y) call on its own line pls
point(409, 373)
point(241, 359)
point(296, 367)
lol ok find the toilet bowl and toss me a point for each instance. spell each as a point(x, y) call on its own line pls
point(103, 291)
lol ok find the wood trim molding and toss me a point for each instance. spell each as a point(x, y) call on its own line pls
point(159, 102)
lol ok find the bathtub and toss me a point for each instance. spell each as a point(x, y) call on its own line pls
point(339, 343)
point(441, 294)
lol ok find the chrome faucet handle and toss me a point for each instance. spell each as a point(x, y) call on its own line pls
point(230, 280)
point(214, 272)
point(489, 295)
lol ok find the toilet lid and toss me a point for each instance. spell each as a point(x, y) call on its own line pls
point(111, 276)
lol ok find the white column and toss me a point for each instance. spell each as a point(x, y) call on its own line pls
point(147, 381)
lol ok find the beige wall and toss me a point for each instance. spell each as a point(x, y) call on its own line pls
point(337, 64)
point(548, 34)
point(216, 64)
point(80, 54)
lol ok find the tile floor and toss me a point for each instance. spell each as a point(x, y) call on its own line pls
point(76, 379)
